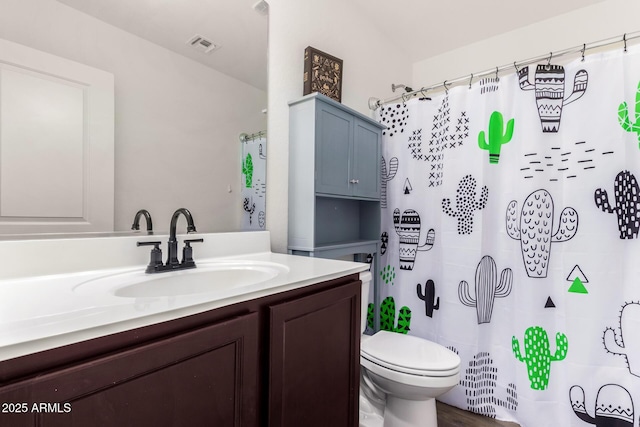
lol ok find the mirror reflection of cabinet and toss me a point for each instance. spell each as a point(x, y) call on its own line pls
point(56, 144)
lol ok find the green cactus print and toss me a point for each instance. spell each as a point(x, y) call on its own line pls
point(247, 170)
point(497, 136)
point(538, 354)
point(388, 274)
point(623, 116)
point(404, 321)
point(370, 316)
point(388, 317)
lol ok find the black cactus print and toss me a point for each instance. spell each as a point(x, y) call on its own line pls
point(249, 207)
point(626, 343)
point(480, 383)
point(627, 200)
point(384, 241)
point(415, 145)
point(549, 88)
point(534, 229)
point(487, 288)
point(613, 408)
point(431, 302)
point(394, 117)
point(444, 135)
point(466, 204)
point(408, 229)
point(386, 176)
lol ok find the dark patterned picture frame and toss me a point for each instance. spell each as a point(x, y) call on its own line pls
point(322, 73)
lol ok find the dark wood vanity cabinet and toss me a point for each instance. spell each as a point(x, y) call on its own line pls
point(290, 359)
point(315, 360)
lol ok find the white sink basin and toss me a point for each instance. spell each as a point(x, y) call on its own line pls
point(207, 277)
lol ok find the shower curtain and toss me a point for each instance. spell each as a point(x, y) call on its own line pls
point(254, 183)
point(510, 220)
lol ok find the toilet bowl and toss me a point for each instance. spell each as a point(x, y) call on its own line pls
point(401, 376)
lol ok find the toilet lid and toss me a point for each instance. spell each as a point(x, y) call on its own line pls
point(409, 353)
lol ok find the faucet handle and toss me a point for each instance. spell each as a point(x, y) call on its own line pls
point(187, 252)
point(154, 243)
point(188, 241)
point(155, 259)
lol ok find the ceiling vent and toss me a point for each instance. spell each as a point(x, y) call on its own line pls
point(202, 44)
point(261, 7)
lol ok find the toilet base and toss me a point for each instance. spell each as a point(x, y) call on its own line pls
point(410, 413)
point(371, 408)
point(368, 418)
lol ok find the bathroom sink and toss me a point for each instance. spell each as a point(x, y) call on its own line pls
point(208, 277)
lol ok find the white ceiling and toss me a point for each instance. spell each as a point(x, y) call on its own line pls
point(423, 28)
point(240, 30)
point(426, 28)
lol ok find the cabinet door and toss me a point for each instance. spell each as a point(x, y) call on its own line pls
point(315, 359)
point(366, 160)
point(334, 134)
point(207, 377)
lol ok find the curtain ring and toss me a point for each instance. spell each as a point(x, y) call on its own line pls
point(403, 100)
point(446, 89)
point(548, 66)
point(423, 90)
point(516, 67)
point(584, 47)
point(624, 39)
point(470, 80)
point(497, 77)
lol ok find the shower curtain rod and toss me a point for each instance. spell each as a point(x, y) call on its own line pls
point(374, 103)
point(245, 137)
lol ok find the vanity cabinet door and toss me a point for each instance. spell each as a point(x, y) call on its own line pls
point(314, 359)
point(205, 377)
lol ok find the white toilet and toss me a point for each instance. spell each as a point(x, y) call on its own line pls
point(401, 375)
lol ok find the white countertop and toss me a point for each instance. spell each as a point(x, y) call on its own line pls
point(46, 311)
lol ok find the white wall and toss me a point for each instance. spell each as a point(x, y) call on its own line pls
point(371, 64)
point(610, 18)
point(176, 121)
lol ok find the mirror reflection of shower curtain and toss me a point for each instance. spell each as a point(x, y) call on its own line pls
point(253, 183)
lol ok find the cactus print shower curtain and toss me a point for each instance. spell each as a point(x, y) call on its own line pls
point(511, 212)
point(253, 183)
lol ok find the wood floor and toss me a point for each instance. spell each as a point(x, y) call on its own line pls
point(448, 416)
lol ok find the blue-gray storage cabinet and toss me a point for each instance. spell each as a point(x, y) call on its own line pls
point(334, 180)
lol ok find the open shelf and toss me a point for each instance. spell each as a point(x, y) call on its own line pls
point(340, 220)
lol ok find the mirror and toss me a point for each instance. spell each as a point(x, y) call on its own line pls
point(190, 77)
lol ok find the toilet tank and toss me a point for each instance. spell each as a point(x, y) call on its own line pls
point(365, 277)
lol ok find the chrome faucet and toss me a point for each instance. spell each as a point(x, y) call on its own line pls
point(147, 218)
point(155, 264)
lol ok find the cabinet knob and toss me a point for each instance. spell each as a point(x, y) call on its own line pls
point(354, 181)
